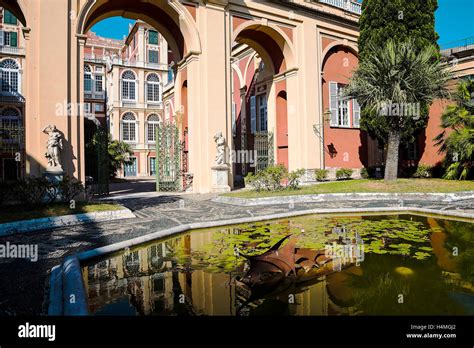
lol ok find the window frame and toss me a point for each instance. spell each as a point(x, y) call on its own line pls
point(127, 125)
point(131, 85)
point(154, 124)
point(156, 89)
point(338, 106)
point(153, 34)
point(10, 74)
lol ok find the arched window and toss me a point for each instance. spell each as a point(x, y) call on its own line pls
point(87, 78)
point(153, 88)
point(152, 125)
point(129, 127)
point(9, 76)
point(10, 121)
point(128, 85)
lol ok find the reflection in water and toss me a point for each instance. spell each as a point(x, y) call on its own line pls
point(198, 273)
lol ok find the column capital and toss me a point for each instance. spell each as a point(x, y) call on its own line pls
point(81, 38)
point(26, 32)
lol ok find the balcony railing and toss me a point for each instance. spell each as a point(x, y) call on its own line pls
point(348, 5)
point(124, 62)
point(12, 97)
point(457, 47)
point(12, 50)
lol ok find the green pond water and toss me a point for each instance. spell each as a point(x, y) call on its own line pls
point(405, 265)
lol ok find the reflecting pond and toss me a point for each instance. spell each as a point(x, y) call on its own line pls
point(409, 265)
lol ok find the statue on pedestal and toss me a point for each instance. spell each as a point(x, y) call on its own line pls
point(220, 172)
point(220, 142)
point(54, 147)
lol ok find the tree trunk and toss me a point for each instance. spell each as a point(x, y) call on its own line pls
point(391, 162)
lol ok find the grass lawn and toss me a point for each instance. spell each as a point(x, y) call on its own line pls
point(19, 212)
point(370, 185)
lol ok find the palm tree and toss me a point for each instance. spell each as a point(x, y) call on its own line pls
point(393, 81)
point(457, 138)
point(119, 155)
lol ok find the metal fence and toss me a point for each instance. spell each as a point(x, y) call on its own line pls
point(263, 146)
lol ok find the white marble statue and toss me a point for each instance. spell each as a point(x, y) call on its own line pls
point(54, 147)
point(220, 143)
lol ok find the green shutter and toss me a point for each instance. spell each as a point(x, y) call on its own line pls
point(14, 39)
point(153, 37)
point(9, 18)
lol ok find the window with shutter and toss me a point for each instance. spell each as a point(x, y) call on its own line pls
point(253, 115)
point(153, 37)
point(333, 103)
point(355, 114)
point(9, 18)
point(14, 39)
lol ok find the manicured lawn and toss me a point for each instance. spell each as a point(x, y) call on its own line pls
point(351, 186)
point(19, 212)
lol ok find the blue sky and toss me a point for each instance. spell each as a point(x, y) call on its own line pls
point(454, 21)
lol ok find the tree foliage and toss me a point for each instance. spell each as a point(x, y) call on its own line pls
point(457, 138)
point(397, 74)
point(119, 152)
point(397, 20)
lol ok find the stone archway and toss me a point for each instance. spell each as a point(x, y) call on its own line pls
point(174, 22)
point(275, 49)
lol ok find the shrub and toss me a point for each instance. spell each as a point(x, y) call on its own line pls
point(69, 188)
point(294, 179)
point(343, 173)
point(422, 171)
point(364, 173)
point(274, 176)
point(270, 178)
point(321, 174)
point(36, 191)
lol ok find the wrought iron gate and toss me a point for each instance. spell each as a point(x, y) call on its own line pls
point(12, 150)
point(263, 146)
point(168, 157)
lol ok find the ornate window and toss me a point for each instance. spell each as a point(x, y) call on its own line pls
point(153, 88)
point(9, 76)
point(153, 122)
point(128, 85)
point(129, 127)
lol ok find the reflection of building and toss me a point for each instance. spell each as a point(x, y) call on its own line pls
point(12, 102)
point(143, 277)
point(140, 275)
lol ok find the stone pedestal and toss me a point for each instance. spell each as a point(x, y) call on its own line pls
point(220, 178)
point(55, 177)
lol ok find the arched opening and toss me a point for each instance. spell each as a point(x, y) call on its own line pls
point(344, 143)
point(142, 74)
point(261, 56)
